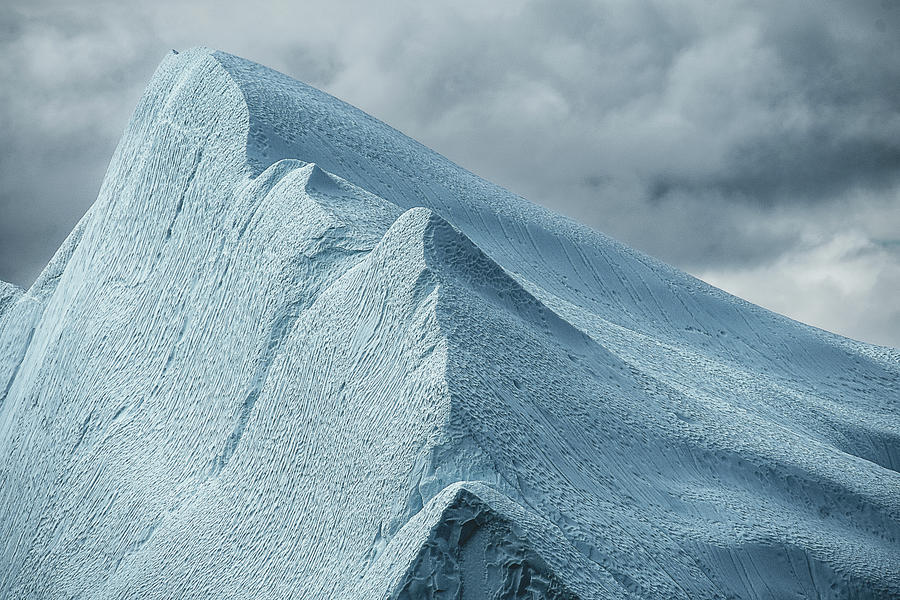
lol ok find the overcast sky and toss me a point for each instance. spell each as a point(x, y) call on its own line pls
point(753, 144)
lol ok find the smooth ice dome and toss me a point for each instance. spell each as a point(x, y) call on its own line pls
point(291, 353)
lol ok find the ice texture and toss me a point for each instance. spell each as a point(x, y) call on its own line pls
point(9, 293)
point(292, 353)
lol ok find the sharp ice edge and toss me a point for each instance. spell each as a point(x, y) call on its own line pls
point(290, 352)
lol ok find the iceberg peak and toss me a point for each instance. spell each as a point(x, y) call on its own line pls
point(291, 352)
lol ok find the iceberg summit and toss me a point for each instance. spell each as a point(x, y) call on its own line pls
point(291, 353)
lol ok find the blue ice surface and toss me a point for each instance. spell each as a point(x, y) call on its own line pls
point(292, 353)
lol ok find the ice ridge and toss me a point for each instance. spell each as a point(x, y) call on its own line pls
point(292, 353)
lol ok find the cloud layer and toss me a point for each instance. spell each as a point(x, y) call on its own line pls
point(755, 144)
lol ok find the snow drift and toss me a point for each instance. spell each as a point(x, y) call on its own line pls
point(291, 353)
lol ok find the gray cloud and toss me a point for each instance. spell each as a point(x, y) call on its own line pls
point(735, 139)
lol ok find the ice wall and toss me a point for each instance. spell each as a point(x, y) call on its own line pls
point(291, 353)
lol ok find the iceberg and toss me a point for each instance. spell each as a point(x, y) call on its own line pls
point(290, 352)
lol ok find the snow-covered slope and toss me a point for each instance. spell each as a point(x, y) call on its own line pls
point(291, 353)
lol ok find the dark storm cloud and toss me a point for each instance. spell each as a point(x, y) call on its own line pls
point(833, 98)
point(726, 137)
point(65, 84)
